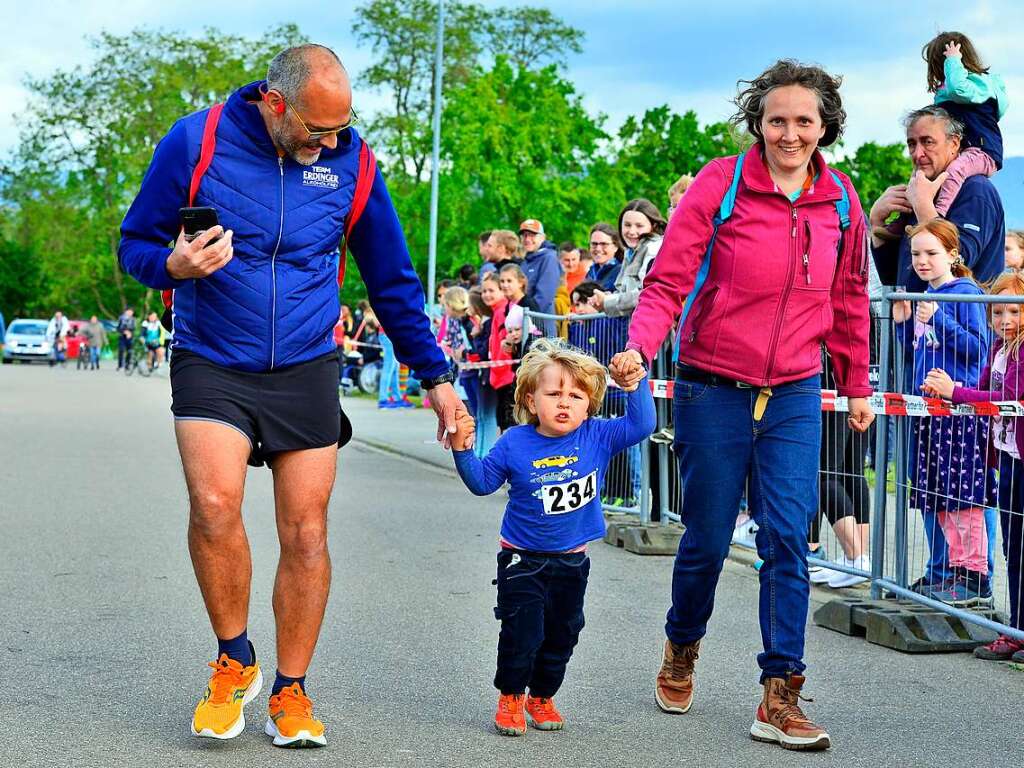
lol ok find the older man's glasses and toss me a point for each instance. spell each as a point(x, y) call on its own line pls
point(322, 133)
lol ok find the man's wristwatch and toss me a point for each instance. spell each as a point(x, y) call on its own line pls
point(444, 378)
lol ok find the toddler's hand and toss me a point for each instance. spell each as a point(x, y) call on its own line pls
point(465, 430)
point(627, 369)
point(952, 50)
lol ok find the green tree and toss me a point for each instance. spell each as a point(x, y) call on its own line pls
point(873, 167)
point(88, 135)
point(516, 143)
point(655, 150)
point(402, 33)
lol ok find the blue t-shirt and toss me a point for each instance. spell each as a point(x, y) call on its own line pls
point(554, 502)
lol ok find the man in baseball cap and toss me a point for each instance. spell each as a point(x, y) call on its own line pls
point(541, 267)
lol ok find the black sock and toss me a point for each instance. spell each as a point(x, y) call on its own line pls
point(283, 681)
point(236, 648)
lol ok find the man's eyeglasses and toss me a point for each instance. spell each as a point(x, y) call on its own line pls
point(323, 133)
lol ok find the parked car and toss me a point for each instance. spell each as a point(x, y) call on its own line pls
point(26, 340)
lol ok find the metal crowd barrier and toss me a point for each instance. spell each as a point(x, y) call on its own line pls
point(939, 463)
point(627, 483)
point(870, 523)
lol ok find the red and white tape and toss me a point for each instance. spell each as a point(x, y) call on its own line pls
point(892, 403)
point(485, 364)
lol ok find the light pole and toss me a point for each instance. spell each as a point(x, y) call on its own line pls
point(435, 157)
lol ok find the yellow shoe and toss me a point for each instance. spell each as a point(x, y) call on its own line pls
point(291, 720)
point(219, 715)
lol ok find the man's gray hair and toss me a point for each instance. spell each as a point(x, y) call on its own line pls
point(290, 69)
point(953, 126)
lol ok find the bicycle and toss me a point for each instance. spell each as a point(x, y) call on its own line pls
point(140, 361)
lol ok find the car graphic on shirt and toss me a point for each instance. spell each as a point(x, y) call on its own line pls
point(555, 461)
point(554, 477)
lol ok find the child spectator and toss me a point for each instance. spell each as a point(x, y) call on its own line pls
point(501, 377)
point(514, 286)
point(1002, 379)
point(482, 303)
point(948, 472)
point(1014, 249)
point(964, 87)
point(554, 461)
point(602, 337)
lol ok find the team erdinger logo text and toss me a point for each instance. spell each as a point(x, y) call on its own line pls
point(320, 176)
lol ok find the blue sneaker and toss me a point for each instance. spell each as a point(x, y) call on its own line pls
point(968, 590)
point(387, 404)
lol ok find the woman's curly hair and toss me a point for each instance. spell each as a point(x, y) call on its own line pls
point(750, 101)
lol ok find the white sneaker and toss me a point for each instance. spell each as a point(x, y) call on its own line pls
point(841, 579)
point(823, 575)
point(743, 534)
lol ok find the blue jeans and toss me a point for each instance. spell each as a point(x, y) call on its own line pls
point(94, 357)
point(719, 445)
point(389, 388)
point(1011, 518)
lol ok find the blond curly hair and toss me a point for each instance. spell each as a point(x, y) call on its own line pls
point(589, 374)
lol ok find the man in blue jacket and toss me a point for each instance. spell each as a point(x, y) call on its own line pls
point(540, 265)
point(934, 139)
point(254, 373)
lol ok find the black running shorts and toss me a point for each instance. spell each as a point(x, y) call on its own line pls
point(290, 409)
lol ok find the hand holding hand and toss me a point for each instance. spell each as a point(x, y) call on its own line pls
point(449, 408)
point(938, 384)
point(627, 369)
point(201, 257)
point(465, 432)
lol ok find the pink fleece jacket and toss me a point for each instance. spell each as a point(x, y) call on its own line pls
point(777, 287)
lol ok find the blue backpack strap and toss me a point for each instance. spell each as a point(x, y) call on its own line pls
point(842, 204)
point(724, 212)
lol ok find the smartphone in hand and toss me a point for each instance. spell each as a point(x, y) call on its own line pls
point(197, 220)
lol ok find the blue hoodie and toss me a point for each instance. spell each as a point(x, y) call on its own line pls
point(543, 273)
point(955, 340)
point(275, 303)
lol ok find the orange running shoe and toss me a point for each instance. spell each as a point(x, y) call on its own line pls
point(219, 715)
point(543, 715)
point(510, 719)
point(291, 721)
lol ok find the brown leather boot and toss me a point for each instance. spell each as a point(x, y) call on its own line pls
point(674, 689)
point(779, 718)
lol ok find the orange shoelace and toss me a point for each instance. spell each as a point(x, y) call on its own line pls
point(227, 676)
point(544, 706)
point(294, 702)
point(511, 704)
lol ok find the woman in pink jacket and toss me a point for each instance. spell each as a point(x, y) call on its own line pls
point(772, 247)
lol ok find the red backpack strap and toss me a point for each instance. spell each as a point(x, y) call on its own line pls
point(364, 184)
point(206, 151)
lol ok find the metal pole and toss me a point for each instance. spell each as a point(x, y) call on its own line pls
point(878, 515)
point(435, 161)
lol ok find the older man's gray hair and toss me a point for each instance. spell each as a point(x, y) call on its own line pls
point(953, 126)
point(291, 68)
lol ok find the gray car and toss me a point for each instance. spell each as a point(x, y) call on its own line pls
point(26, 340)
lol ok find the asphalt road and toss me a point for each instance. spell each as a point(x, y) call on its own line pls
point(104, 642)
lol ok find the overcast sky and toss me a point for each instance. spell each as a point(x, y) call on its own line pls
point(636, 55)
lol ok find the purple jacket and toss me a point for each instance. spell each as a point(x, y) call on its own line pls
point(1013, 389)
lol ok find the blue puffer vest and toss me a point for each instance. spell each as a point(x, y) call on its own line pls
point(276, 302)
